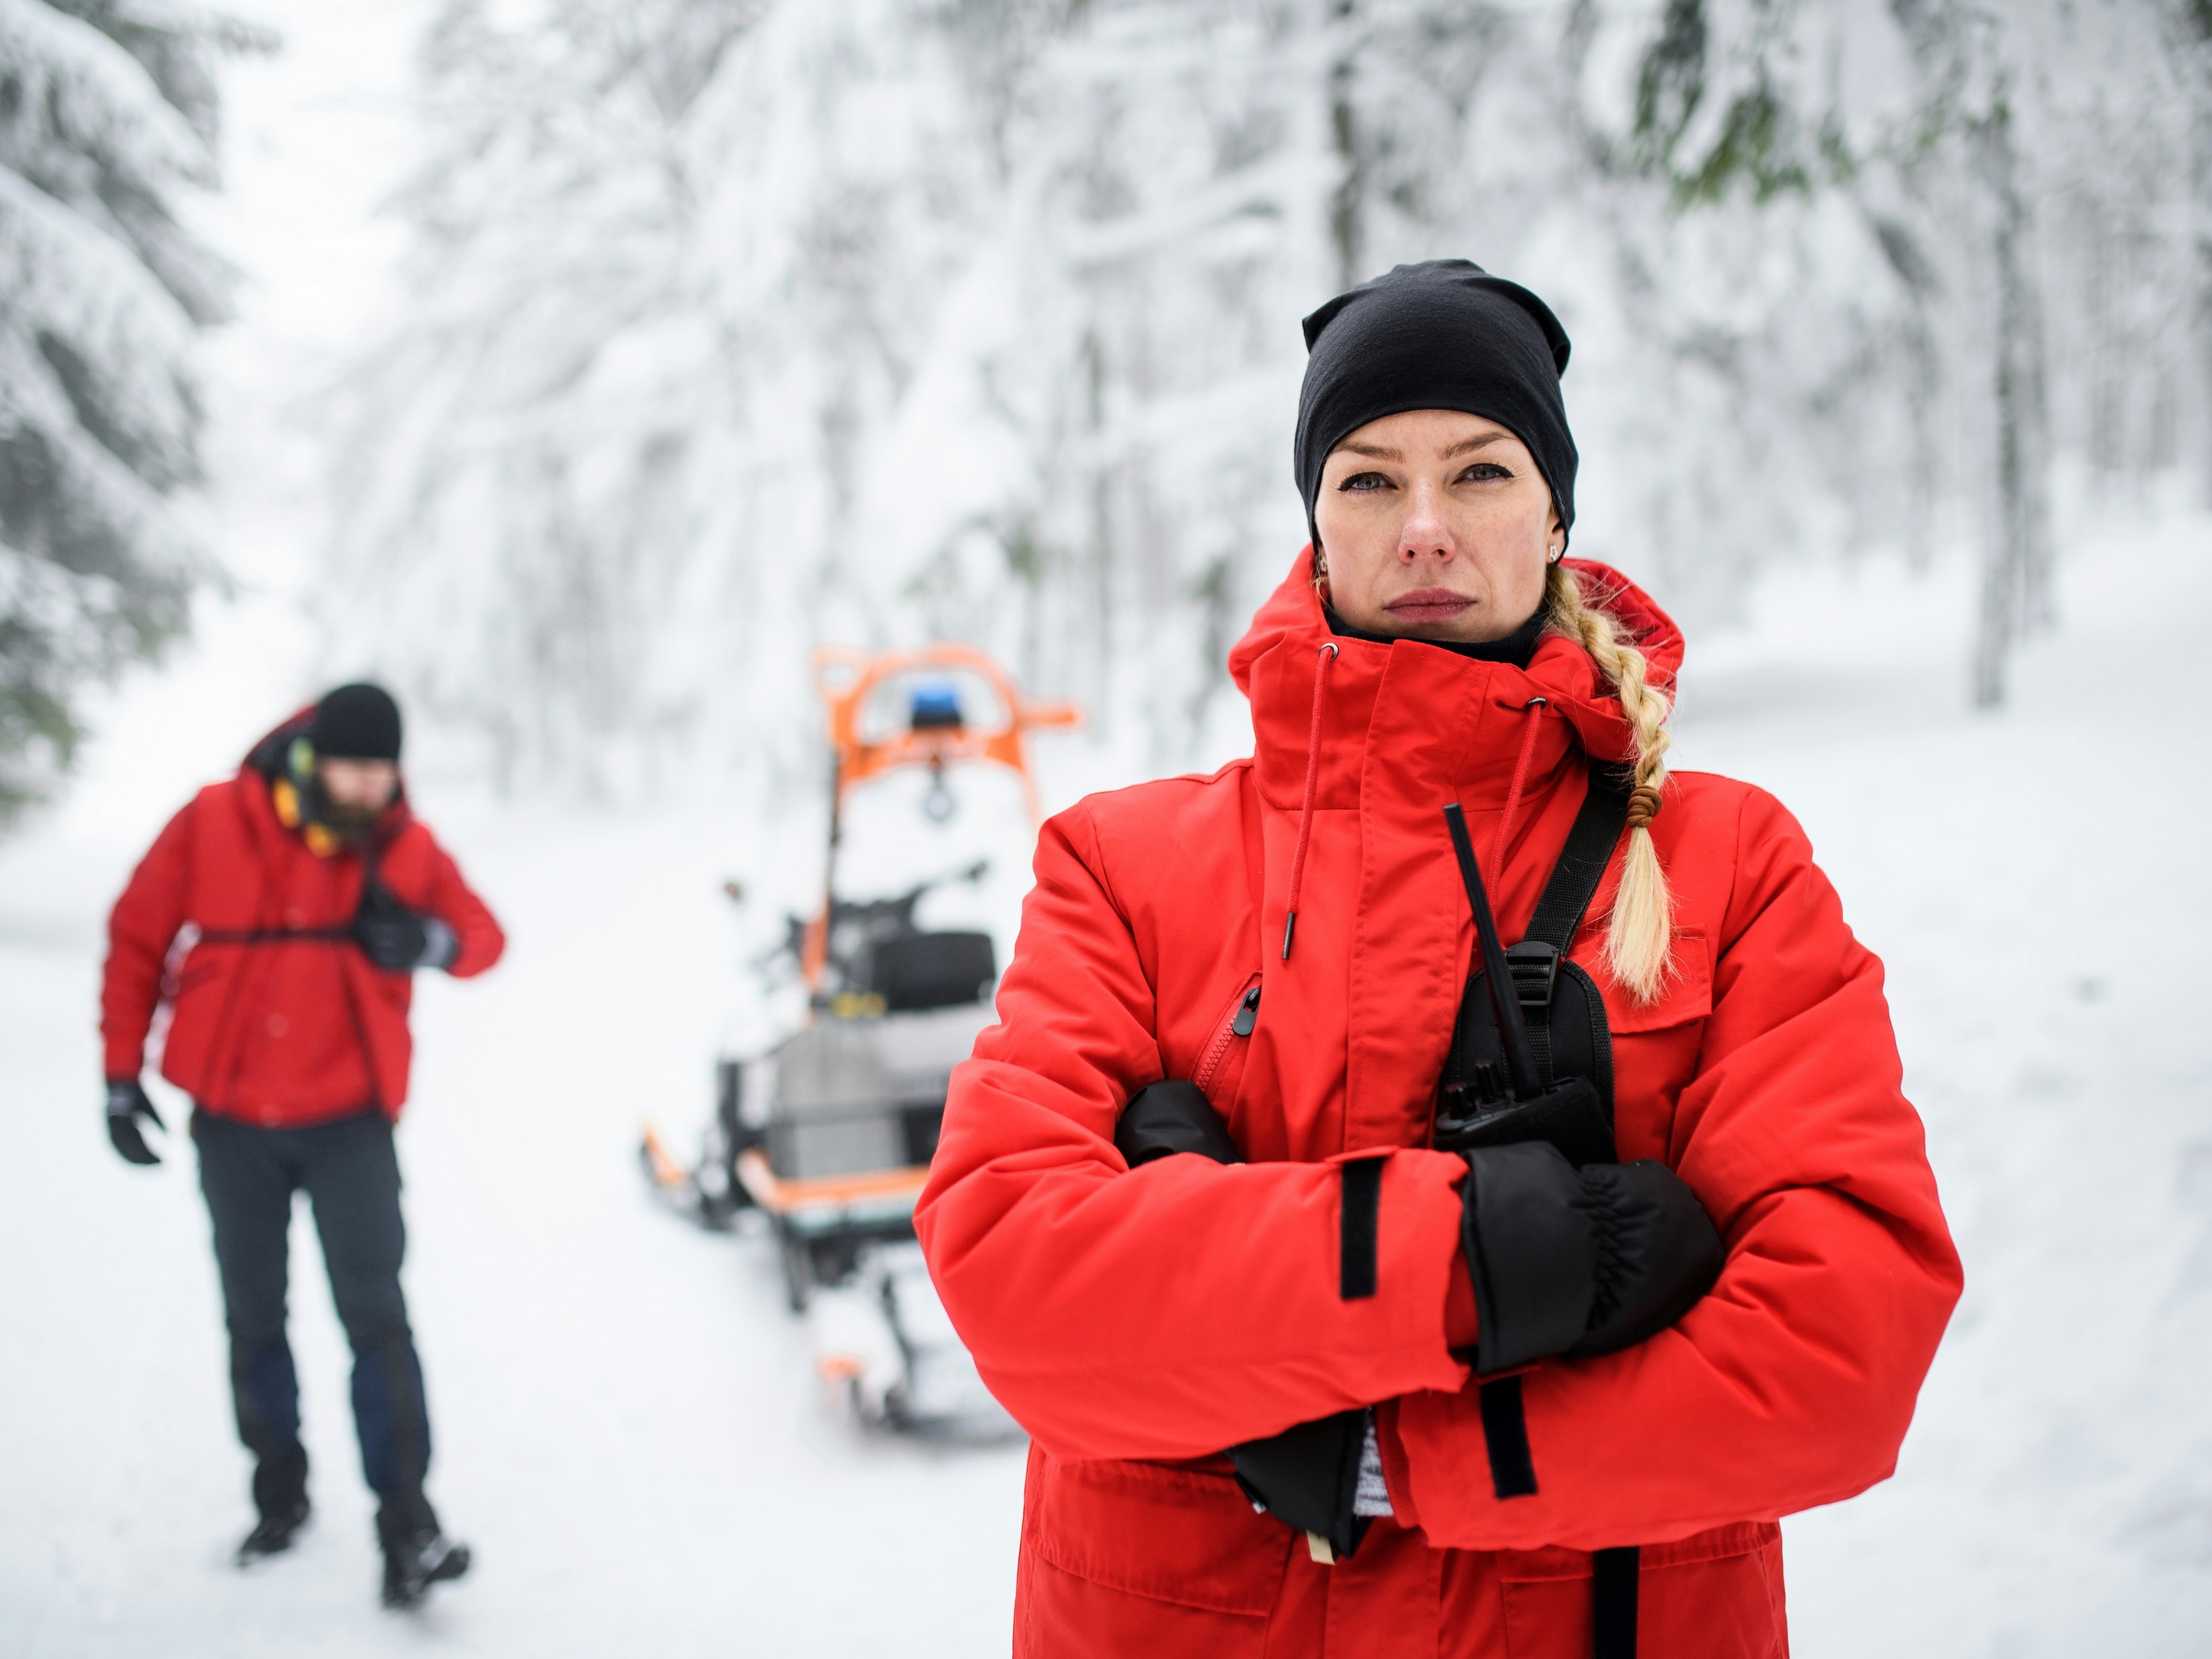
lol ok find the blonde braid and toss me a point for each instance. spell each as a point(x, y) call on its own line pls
point(1640, 941)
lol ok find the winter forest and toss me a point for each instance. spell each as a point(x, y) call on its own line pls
point(578, 368)
point(734, 327)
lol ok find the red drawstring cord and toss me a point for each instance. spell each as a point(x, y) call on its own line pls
point(1327, 655)
point(1535, 708)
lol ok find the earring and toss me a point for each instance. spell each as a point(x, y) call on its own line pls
point(1557, 553)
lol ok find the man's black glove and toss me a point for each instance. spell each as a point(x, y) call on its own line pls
point(1578, 1262)
point(397, 938)
point(126, 1104)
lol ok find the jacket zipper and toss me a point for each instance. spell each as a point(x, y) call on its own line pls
point(1243, 1014)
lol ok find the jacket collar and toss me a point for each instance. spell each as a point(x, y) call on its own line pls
point(1443, 718)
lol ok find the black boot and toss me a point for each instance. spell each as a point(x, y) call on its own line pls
point(280, 1494)
point(416, 1554)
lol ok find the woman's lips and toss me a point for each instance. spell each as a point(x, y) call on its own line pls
point(1429, 605)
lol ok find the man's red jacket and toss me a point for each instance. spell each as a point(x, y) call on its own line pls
point(295, 1026)
point(1138, 1322)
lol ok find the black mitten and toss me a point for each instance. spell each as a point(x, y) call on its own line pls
point(126, 1104)
point(397, 938)
point(1578, 1262)
point(1172, 1117)
point(1308, 1475)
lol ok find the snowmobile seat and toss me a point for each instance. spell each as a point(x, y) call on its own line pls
point(859, 1096)
point(915, 972)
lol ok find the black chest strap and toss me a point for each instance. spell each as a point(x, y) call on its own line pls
point(1582, 863)
point(1534, 961)
point(1572, 885)
point(1534, 965)
point(272, 935)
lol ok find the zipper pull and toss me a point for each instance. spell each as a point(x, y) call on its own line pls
point(1248, 1014)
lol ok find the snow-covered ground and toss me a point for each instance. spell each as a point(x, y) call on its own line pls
point(628, 1424)
point(628, 1431)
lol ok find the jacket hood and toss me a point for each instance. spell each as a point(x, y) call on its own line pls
point(268, 754)
point(1291, 628)
point(270, 759)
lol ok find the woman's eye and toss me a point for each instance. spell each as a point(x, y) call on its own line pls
point(1365, 482)
point(1485, 470)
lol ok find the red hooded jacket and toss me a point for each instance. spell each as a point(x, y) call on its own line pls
point(1137, 1323)
point(277, 1032)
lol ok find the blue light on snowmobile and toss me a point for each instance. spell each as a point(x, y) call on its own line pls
point(935, 708)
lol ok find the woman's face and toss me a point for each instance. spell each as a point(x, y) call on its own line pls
point(1435, 526)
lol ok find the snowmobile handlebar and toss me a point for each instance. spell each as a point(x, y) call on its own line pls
point(879, 917)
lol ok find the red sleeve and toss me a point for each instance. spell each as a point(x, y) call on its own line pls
point(1181, 1308)
point(1791, 1384)
point(455, 902)
point(140, 930)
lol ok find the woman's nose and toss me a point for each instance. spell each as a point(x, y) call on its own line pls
point(1423, 532)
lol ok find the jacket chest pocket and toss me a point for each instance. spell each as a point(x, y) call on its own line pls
point(1220, 1068)
point(1655, 1046)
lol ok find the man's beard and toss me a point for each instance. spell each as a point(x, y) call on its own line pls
point(352, 825)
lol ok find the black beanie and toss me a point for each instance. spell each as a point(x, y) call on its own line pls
point(356, 722)
point(1443, 335)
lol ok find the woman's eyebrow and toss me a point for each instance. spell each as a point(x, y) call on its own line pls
point(1374, 451)
point(1476, 443)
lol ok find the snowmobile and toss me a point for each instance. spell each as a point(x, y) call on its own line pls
point(828, 1134)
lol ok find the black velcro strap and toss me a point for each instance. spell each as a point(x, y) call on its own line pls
point(1363, 1218)
point(1505, 1437)
point(1582, 863)
point(1614, 1574)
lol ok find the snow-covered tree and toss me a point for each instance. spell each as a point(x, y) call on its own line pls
point(108, 112)
point(2008, 162)
point(752, 326)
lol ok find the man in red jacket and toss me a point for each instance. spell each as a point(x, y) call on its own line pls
point(280, 914)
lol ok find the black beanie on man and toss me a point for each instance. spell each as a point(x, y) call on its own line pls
point(1443, 335)
point(356, 722)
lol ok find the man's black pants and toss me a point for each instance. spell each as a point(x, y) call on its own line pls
point(351, 1176)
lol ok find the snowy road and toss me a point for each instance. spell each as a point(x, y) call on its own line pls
point(2034, 882)
point(628, 1429)
point(628, 1432)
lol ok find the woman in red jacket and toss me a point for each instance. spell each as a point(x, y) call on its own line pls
point(282, 914)
point(1540, 1395)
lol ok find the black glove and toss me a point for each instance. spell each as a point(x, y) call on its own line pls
point(126, 1104)
point(1308, 1475)
point(1578, 1262)
point(397, 938)
point(1172, 1117)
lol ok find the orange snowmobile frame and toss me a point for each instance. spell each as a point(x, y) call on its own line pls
point(843, 679)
